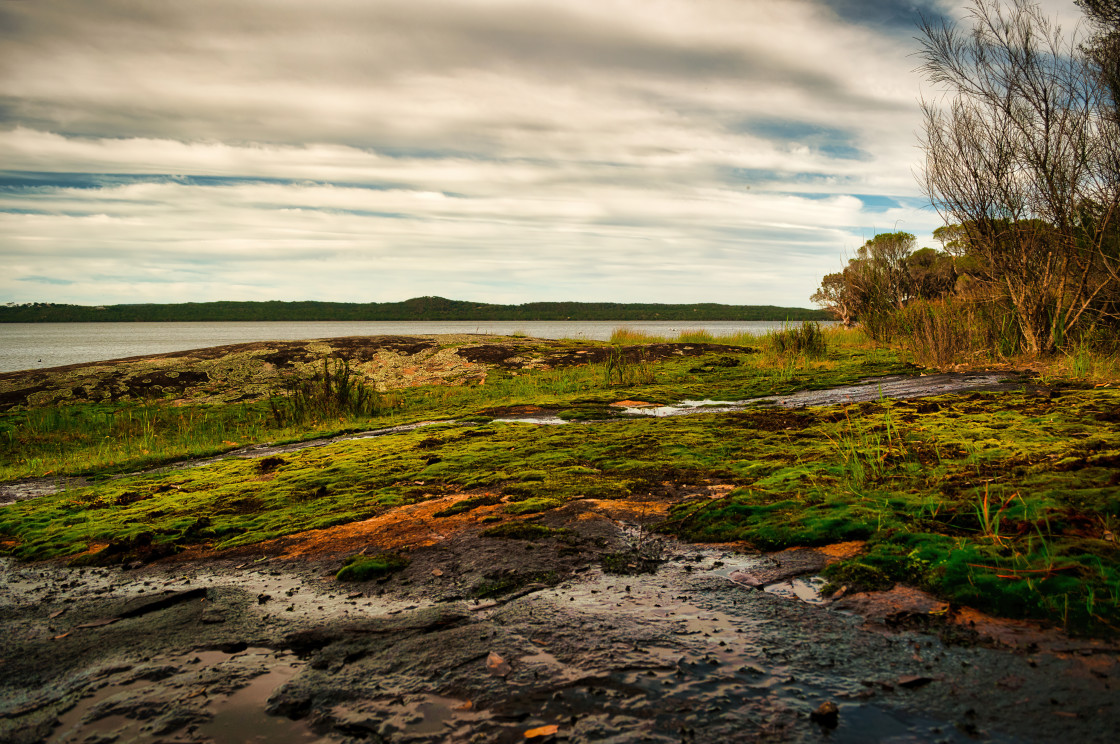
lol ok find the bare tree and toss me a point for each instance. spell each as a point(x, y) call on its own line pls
point(1021, 153)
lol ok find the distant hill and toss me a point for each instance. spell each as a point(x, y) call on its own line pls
point(419, 308)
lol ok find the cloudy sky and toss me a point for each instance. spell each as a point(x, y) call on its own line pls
point(495, 150)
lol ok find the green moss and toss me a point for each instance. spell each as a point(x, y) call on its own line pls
point(466, 505)
point(856, 576)
point(525, 531)
point(366, 568)
point(533, 506)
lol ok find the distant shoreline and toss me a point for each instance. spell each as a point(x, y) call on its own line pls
point(420, 308)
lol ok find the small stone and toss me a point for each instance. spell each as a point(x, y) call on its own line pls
point(826, 714)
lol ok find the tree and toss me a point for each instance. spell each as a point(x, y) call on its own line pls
point(882, 272)
point(873, 285)
point(1023, 156)
point(931, 274)
point(836, 297)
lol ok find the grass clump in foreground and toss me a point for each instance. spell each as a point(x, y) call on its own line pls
point(366, 568)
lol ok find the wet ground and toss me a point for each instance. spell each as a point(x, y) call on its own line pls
point(897, 386)
point(488, 640)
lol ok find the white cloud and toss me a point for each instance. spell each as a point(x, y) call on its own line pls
point(664, 150)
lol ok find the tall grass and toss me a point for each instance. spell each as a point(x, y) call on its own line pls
point(335, 392)
point(90, 438)
point(949, 333)
point(809, 336)
point(806, 339)
point(942, 333)
point(621, 370)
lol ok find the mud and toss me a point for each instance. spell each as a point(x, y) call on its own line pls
point(487, 640)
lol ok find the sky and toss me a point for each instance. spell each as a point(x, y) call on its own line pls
point(502, 151)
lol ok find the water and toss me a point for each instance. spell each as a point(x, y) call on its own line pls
point(39, 345)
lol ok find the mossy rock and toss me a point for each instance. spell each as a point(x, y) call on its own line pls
point(366, 568)
point(857, 576)
point(525, 531)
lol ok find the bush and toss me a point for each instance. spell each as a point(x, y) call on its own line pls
point(942, 332)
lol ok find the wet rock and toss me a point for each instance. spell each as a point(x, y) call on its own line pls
point(496, 665)
point(293, 705)
point(780, 567)
point(142, 607)
point(913, 681)
point(826, 714)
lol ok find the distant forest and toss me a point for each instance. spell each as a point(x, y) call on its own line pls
point(420, 308)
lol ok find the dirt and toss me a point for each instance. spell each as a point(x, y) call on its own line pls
point(484, 639)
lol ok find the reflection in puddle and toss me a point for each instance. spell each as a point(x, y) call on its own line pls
point(542, 420)
point(685, 407)
point(241, 716)
point(899, 386)
point(806, 589)
point(207, 695)
point(423, 716)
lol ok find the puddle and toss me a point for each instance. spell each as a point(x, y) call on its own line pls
point(898, 386)
point(241, 717)
point(685, 407)
point(807, 589)
point(208, 695)
point(541, 420)
point(409, 717)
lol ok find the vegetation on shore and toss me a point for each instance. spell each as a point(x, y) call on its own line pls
point(418, 308)
point(1006, 501)
point(1021, 143)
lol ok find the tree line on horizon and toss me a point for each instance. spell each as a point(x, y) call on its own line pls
point(419, 308)
point(1022, 162)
